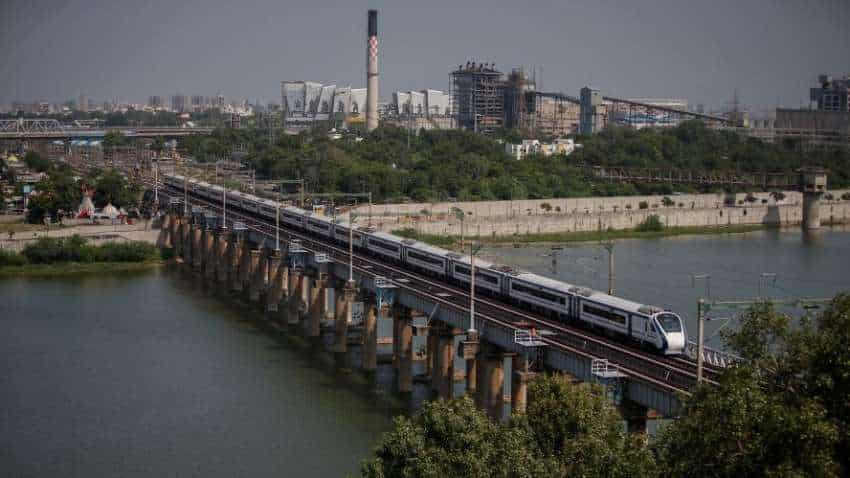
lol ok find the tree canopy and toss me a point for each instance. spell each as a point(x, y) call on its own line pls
point(444, 164)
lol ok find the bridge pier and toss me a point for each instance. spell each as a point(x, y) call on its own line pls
point(197, 248)
point(211, 263)
point(491, 382)
point(257, 274)
point(636, 417)
point(444, 363)
point(519, 383)
point(225, 242)
point(403, 322)
point(813, 186)
point(470, 351)
point(164, 239)
point(185, 240)
point(294, 289)
point(274, 288)
point(173, 238)
point(370, 339)
point(315, 308)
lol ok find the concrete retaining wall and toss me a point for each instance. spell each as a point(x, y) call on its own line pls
point(591, 214)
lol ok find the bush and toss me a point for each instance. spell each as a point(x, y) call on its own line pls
point(11, 258)
point(845, 196)
point(643, 205)
point(667, 202)
point(651, 224)
point(48, 250)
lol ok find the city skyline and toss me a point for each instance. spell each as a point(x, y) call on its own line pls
point(660, 48)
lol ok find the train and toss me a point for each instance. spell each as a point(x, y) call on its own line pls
point(653, 327)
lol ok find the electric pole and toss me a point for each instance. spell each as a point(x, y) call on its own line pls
point(609, 246)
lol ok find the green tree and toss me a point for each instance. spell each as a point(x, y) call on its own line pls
point(781, 412)
point(452, 438)
point(115, 138)
point(112, 187)
point(578, 430)
point(36, 162)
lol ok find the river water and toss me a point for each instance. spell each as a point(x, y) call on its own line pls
point(151, 374)
point(146, 374)
point(659, 271)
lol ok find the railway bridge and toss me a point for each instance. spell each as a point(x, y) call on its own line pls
point(313, 285)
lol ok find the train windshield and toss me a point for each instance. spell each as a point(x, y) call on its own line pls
point(669, 322)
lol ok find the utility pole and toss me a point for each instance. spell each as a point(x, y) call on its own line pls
point(700, 338)
point(460, 215)
point(277, 225)
point(609, 246)
point(351, 219)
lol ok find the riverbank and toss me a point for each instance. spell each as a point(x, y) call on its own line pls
point(71, 268)
point(452, 242)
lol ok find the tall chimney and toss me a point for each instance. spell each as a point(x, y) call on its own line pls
point(372, 72)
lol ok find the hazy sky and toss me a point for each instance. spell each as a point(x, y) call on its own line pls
point(701, 50)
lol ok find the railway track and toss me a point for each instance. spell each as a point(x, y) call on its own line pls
point(673, 373)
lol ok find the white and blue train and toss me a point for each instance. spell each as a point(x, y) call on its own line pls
point(647, 325)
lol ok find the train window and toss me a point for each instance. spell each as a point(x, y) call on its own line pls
point(319, 225)
point(479, 276)
point(670, 322)
point(540, 294)
point(384, 245)
point(424, 258)
point(605, 314)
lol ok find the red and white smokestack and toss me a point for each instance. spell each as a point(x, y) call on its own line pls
point(372, 72)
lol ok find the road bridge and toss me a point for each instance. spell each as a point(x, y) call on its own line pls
point(504, 332)
point(51, 129)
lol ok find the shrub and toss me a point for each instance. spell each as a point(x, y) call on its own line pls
point(643, 205)
point(846, 196)
point(777, 195)
point(74, 249)
point(134, 251)
point(667, 202)
point(11, 258)
point(751, 198)
point(651, 224)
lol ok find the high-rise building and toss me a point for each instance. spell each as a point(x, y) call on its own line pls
point(82, 103)
point(833, 94)
point(179, 103)
point(156, 102)
point(591, 119)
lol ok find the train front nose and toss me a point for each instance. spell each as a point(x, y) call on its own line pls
point(675, 343)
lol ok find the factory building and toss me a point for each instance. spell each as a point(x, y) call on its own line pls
point(305, 103)
point(477, 92)
point(833, 94)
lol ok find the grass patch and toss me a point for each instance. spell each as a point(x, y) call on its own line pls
point(452, 242)
point(69, 268)
point(23, 227)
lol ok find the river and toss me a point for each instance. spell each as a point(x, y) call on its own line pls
point(146, 374)
point(659, 271)
point(150, 374)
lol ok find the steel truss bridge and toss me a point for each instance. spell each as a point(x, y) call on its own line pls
point(681, 176)
point(642, 377)
point(24, 129)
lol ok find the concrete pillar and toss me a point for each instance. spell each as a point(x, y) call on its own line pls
point(208, 242)
point(186, 233)
point(370, 339)
point(495, 385)
point(274, 289)
point(163, 238)
point(483, 383)
point(432, 360)
point(519, 383)
point(197, 248)
point(469, 350)
point(405, 350)
point(211, 262)
point(235, 258)
point(315, 310)
point(811, 210)
point(244, 267)
point(304, 297)
point(293, 305)
point(225, 239)
point(342, 319)
point(253, 273)
point(445, 365)
point(177, 235)
point(172, 231)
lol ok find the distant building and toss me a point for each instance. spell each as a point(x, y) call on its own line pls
point(83, 103)
point(833, 94)
point(478, 97)
point(156, 102)
point(532, 146)
point(304, 103)
point(592, 115)
point(180, 103)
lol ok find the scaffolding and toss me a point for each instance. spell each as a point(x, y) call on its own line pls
point(477, 94)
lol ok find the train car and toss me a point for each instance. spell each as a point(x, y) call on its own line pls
point(661, 329)
point(427, 258)
point(541, 294)
point(342, 233)
point(267, 208)
point(293, 216)
point(385, 245)
point(319, 224)
point(487, 278)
